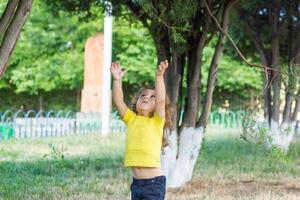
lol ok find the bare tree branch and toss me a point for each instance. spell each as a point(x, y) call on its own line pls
point(232, 42)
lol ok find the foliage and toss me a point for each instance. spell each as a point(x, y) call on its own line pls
point(258, 16)
point(291, 77)
point(56, 152)
point(54, 45)
point(49, 54)
point(174, 16)
point(53, 60)
point(134, 49)
point(233, 76)
point(257, 131)
point(55, 100)
point(273, 29)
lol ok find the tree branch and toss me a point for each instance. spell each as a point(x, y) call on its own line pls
point(232, 42)
point(12, 33)
point(7, 15)
point(214, 65)
point(137, 11)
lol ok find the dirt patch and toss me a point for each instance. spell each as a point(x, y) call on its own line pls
point(212, 188)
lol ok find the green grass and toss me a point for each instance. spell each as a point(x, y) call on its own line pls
point(228, 153)
point(92, 167)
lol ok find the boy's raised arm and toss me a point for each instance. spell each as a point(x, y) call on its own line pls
point(117, 91)
point(160, 90)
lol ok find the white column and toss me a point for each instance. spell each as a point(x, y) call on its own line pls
point(106, 93)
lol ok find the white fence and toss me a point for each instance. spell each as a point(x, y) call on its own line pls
point(33, 124)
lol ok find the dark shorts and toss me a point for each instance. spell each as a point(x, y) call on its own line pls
point(148, 189)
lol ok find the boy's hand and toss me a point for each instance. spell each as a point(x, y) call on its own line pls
point(162, 68)
point(116, 71)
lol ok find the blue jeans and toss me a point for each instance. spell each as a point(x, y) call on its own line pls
point(148, 189)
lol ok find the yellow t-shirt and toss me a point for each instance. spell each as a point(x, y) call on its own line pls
point(143, 139)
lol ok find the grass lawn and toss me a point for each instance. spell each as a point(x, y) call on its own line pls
point(92, 168)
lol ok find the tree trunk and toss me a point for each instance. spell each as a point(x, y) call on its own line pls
point(188, 150)
point(281, 134)
point(12, 32)
point(175, 84)
point(193, 76)
point(189, 142)
point(41, 103)
point(275, 66)
point(191, 136)
point(175, 77)
point(265, 61)
point(287, 107)
point(289, 96)
point(213, 71)
point(297, 106)
point(168, 159)
point(7, 15)
point(185, 142)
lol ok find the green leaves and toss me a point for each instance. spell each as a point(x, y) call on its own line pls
point(50, 52)
point(134, 48)
point(233, 76)
point(290, 75)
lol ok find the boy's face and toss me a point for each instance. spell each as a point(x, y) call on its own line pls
point(146, 102)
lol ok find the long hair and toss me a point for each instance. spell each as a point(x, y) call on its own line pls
point(168, 112)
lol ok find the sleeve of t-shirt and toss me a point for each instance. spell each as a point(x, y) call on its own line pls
point(159, 120)
point(129, 115)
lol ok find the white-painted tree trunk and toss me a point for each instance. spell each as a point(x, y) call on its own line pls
point(282, 135)
point(169, 158)
point(179, 170)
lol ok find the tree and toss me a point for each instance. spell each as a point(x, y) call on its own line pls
point(181, 38)
point(180, 32)
point(54, 46)
point(11, 23)
point(273, 29)
point(49, 53)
